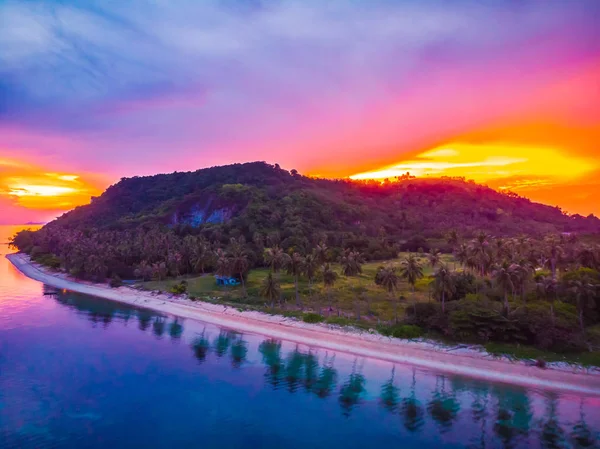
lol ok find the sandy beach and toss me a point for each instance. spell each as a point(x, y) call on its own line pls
point(460, 360)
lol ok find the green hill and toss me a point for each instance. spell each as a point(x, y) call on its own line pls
point(257, 197)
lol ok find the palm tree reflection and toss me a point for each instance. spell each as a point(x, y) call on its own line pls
point(582, 436)
point(201, 346)
point(271, 356)
point(390, 394)
point(352, 391)
point(443, 407)
point(552, 434)
point(222, 342)
point(239, 351)
point(412, 410)
point(158, 327)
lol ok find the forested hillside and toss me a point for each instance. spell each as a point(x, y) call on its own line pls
point(165, 218)
point(257, 197)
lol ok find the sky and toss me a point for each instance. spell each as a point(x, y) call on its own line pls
point(504, 92)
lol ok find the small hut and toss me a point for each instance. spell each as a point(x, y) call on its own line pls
point(224, 281)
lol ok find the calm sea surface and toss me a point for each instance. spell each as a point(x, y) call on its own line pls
point(80, 372)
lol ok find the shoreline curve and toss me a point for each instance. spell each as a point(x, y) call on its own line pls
point(473, 364)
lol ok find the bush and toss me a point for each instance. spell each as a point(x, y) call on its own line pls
point(115, 282)
point(312, 318)
point(480, 321)
point(48, 260)
point(179, 289)
point(593, 336)
point(426, 313)
point(338, 320)
point(406, 331)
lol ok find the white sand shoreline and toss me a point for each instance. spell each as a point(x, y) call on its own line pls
point(467, 362)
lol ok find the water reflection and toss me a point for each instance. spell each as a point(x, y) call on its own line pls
point(474, 414)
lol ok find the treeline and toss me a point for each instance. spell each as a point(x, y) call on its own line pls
point(544, 293)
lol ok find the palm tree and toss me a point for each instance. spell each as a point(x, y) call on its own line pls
point(547, 288)
point(388, 279)
point(270, 289)
point(295, 267)
point(200, 256)
point(462, 254)
point(321, 252)
point(222, 263)
point(329, 278)
point(481, 252)
point(584, 292)
point(504, 279)
point(351, 262)
point(275, 258)
point(521, 272)
point(238, 261)
point(453, 238)
point(435, 257)
point(444, 285)
point(553, 250)
point(310, 268)
point(412, 271)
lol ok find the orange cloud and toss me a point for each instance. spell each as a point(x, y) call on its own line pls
point(27, 186)
point(536, 171)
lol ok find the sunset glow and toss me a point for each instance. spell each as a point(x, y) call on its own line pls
point(502, 93)
point(485, 163)
point(30, 187)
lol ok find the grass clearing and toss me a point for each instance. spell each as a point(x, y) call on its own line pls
point(351, 297)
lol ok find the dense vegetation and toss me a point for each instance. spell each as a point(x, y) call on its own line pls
point(530, 278)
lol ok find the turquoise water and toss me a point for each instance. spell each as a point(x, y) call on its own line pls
point(81, 372)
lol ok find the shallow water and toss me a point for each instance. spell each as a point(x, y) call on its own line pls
point(81, 372)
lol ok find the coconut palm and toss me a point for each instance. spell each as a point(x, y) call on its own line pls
point(238, 261)
point(480, 250)
point(553, 251)
point(270, 289)
point(295, 267)
point(310, 268)
point(521, 273)
point(222, 263)
point(329, 278)
point(503, 277)
point(388, 279)
point(435, 257)
point(275, 258)
point(462, 254)
point(351, 262)
point(547, 288)
point(411, 270)
point(453, 238)
point(443, 284)
point(321, 252)
point(584, 291)
point(200, 256)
